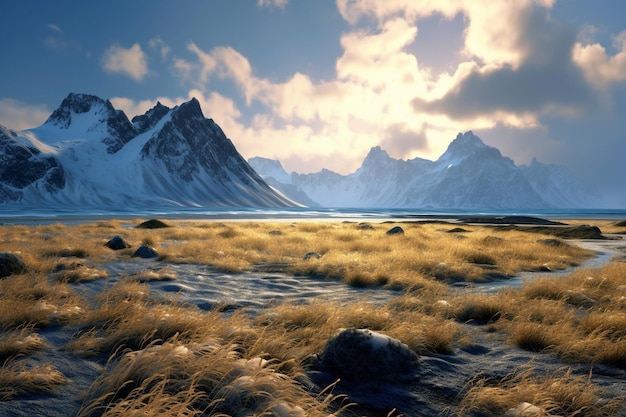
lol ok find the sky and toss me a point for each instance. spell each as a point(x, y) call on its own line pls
point(318, 83)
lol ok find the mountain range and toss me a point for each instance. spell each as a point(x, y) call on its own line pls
point(468, 175)
point(87, 153)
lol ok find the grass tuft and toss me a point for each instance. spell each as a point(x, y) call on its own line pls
point(17, 378)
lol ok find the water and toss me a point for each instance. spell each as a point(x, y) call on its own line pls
point(30, 215)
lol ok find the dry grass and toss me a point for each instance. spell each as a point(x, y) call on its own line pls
point(421, 257)
point(17, 378)
point(31, 300)
point(166, 358)
point(18, 343)
point(558, 394)
point(579, 318)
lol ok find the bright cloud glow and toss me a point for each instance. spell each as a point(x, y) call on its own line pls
point(317, 84)
point(131, 62)
point(22, 116)
point(601, 68)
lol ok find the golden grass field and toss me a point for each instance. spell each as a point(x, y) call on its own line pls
point(164, 357)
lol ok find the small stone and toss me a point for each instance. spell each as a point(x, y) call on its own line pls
point(310, 255)
point(145, 252)
point(11, 264)
point(395, 230)
point(117, 243)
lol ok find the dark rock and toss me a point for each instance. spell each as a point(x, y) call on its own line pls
point(119, 129)
point(310, 255)
point(152, 224)
point(117, 243)
point(361, 355)
point(145, 252)
point(11, 264)
point(551, 242)
point(457, 230)
point(22, 166)
point(148, 120)
point(395, 230)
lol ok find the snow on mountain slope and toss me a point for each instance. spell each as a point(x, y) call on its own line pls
point(468, 175)
point(167, 156)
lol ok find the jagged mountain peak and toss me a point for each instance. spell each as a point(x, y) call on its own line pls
point(170, 156)
point(78, 104)
point(190, 109)
point(270, 168)
point(150, 118)
point(376, 153)
point(470, 174)
point(466, 145)
point(89, 115)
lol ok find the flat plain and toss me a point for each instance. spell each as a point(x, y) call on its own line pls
point(295, 318)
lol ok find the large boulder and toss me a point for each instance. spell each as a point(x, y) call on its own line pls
point(11, 264)
point(365, 356)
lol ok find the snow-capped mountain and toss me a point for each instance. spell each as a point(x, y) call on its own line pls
point(87, 153)
point(468, 175)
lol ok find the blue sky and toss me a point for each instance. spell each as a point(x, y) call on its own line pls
point(317, 83)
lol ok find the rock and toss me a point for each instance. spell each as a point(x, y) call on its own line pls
point(579, 299)
point(152, 224)
point(275, 233)
point(11, 264)
point(395, 230)
point(457, 230)
point(145, 252)
point(117, 243)
point(552, 242)
point(310, 255)
point(365, 356)
point(365, 226)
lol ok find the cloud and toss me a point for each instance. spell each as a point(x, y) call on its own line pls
point(54, 27)
point(600, 68)
point(269, 3)
point(515, 74)
point(131, 62)
point(539, 78)
point(159, 45)
point(19, 116)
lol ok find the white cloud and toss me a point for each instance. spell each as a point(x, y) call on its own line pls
point(54, 27)
point(131, 62)
point(599, 67)
point(19, 116)
point(269, 3)
point(159, 45)
point(517, 68)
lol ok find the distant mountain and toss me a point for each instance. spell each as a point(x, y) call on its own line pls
point(87, 153)
point(469, 175)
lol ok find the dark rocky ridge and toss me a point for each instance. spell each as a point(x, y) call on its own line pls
point(120, 130)
point(166, 156)
point(22, 165)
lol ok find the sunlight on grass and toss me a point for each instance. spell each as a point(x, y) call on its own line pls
point(164, 357)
